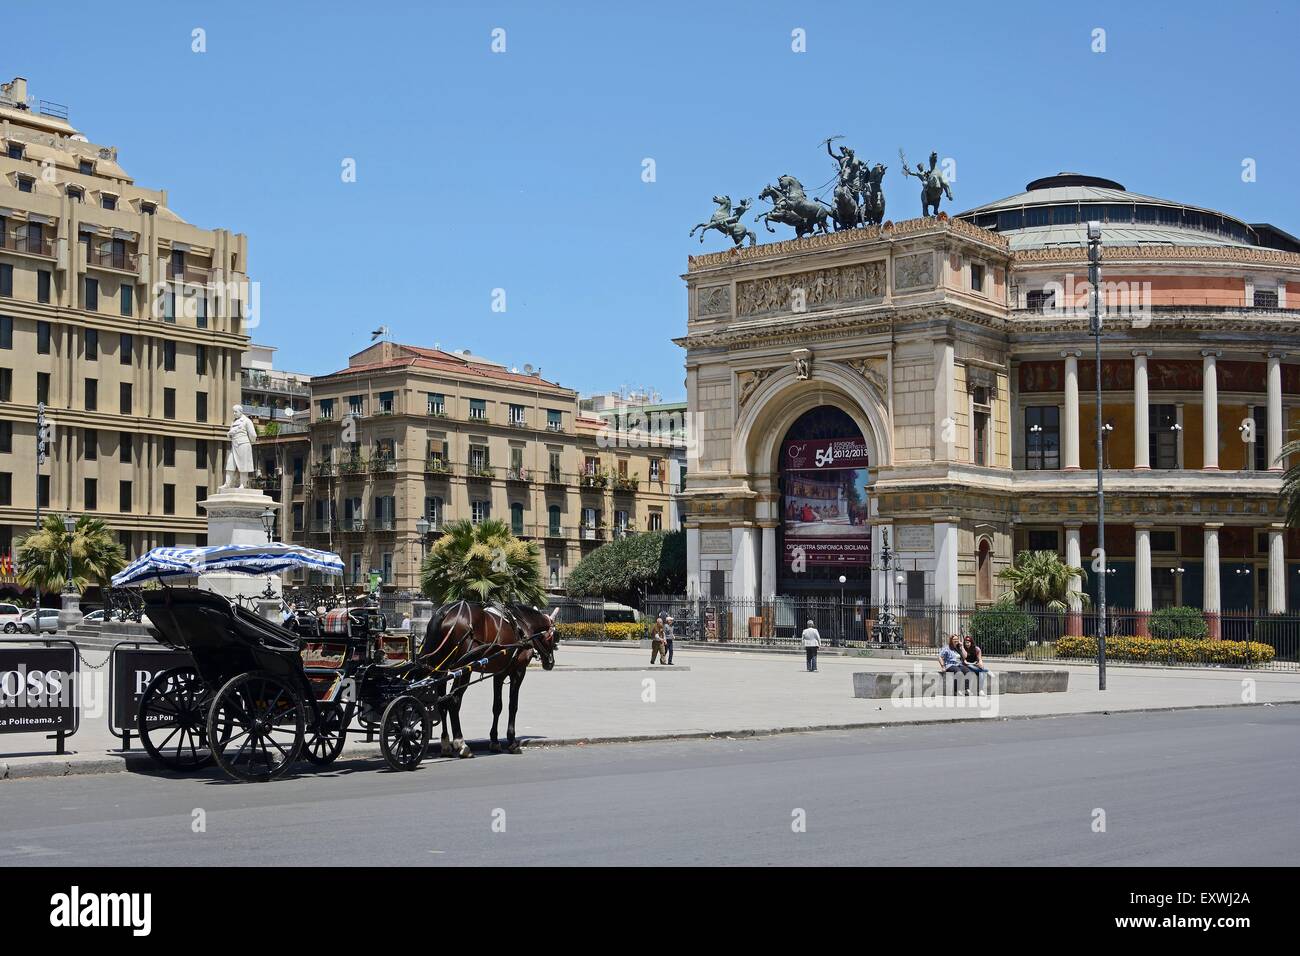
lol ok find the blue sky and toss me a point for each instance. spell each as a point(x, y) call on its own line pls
point(522, 170)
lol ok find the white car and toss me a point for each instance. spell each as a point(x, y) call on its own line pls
point(94, 617)
point(42, 620)
point(10, 617)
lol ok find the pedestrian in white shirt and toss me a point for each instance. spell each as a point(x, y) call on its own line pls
point(811, 641)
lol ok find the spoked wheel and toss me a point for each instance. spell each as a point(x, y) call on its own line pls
point(325, 742)
point(172, 720)
point(404, 736)
point(256, 726)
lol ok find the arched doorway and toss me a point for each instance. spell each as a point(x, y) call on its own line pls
point(824, 530)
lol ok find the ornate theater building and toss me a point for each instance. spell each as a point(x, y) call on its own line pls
point(934, 381)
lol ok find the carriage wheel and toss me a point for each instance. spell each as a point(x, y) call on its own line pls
point(325, 742)
point(172, 719)
point(256, 723)
point(404, 736)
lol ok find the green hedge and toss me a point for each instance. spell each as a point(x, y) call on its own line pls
point(1178, 623)
point(1157, 651)
point(1001, 629)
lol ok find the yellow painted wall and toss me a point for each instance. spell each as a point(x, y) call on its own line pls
point(1232, 450)
point(1193, 432)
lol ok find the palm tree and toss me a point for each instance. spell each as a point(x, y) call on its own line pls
point(1290, 493)
point(483, 563)
point(43, 554)
point(1042, 579)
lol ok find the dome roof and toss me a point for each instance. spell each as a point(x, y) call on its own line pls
point(1055, 210)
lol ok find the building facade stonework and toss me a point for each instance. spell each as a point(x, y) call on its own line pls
point(958, 352)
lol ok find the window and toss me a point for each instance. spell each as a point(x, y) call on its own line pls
point(169, 356)
point(554, 420)
point(124, 398)
point(200, 360)
point(516, 414)
point(478, 458)
point(92, 394)
point(125, 347)
point(42, 338)
point(6, 488)
point(124, 496)
point(655, 520)
point(169, 451)
point(200, 453)
point(1265, 298)
point(6, 332)
point(516, 518)
point(200, 406)
point(126, 300)
point(1162, 437)
point(169, 499)
point(1042, 540)
point(76, 194)
point(325, 409)
point(124, 447)
point(91, 303)
point(433, 512)
point(656, 469)
point(91, 340)
point(200, 495)
point(553, 521)
point(590, 523)
point(385, 512)
point(553, 472)
point(90, 445)
point(620, 523)
point(90, 491)
point(42, 285)
point(480, 511)
point(6, 437)
point(201, 310)
point(43, 490)
point(6, 384)
point(299, 466)
point(15, 150)
point(86, 167)
point(25, 184)
point(107, 201)
point(168, 306)
point(976, 277)
point(43, 388)
point(6, 279)
point(356, 405)
point(1040, 300)
point(299, 516)
point(984, 572)
point(435, 403)
point(386, 403)
point(1042, 438)
point(1165, 542)
point(477, 408)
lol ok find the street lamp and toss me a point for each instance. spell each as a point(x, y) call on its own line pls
point(422, 529)
point(1094, 279)
point(70, 526)
point(268, 522)
point(843, 613)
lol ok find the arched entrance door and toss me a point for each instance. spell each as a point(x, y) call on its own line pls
point(824, 532)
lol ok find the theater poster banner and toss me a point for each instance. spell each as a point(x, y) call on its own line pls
point(824, 501)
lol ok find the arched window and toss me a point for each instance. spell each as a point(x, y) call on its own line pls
point(984, 571)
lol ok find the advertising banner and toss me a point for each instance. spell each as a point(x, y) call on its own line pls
point(37, 692)
point(824, 501)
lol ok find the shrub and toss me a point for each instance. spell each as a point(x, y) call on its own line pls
point(626, 568)
point(1177, 651)
point(1001, 629)
point(1173, 623)
point(595, 631)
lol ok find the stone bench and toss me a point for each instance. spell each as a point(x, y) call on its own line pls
point(923, 683)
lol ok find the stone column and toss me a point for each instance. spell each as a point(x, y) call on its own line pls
point(1210, 410)
point(693, 561)
point(1071, 439)
point(1213, 603)
point(1141, 411)
point(1274, 410)
point(1276, 569)
point(945, 414)
point(945, 574)
point(768, 589)
point(1142, 591)
point(1074, 558)
point(744, 577)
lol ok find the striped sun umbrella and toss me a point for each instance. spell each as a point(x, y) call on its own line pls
point(254, 559)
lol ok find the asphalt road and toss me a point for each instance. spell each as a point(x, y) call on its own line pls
point(1191, 788)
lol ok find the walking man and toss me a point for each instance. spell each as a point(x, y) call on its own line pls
point(658, 650)
point(811, 641)
point(668, 636)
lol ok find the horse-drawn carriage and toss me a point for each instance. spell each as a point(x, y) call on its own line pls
point(260, 695)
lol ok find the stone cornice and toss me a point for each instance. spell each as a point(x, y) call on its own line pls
point(848, 238)
point(1157, 254)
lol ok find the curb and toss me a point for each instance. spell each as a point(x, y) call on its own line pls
point(139, 761)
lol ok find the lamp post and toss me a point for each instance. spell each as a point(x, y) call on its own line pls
point(843, 638)
point(886, 630)
point(70, 611)
point(422, 529)
point(268, 522)
point(1094, 279)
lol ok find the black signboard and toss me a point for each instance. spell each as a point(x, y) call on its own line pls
point(133, 669)
point(38, 692)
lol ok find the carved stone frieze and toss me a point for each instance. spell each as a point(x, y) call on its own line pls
point(914, 272)
point(811, 291)
point(713, 300)
point(747, 383)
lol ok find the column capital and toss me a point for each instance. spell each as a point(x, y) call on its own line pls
point(1277, 527)
point(1211, 353)
point(1213, 525)
point(1142, 353)
point(1072, 353)
point(1142, 525)
point(1072, 525)
point(1275, 355)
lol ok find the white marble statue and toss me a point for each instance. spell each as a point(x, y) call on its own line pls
point(239, 460)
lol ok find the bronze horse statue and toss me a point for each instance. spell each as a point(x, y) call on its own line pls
point(464, 639)
point(727, 221)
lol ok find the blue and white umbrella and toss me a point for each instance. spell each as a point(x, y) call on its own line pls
point(233, 558)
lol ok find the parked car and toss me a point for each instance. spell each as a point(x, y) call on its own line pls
point(94, 617)
point(10, 616)
point(41, 620)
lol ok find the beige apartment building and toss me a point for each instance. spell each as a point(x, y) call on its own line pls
point(406, 432)
point(125, 320)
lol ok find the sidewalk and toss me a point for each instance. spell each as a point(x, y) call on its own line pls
point(600, 694)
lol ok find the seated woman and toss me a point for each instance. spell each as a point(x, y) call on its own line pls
point(952, 659)
point(974, 656)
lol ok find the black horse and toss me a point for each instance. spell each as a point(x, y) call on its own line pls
point(465, 638)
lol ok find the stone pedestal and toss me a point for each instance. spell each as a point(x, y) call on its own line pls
point(421, 615)
point(235, 517)
point(70, 612)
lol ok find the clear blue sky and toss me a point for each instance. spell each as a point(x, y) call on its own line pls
point(522, 170)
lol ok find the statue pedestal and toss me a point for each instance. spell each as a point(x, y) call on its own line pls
point(70, 612)
point(235, 517)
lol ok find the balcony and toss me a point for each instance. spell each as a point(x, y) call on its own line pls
point(383, 524)
point(626, 483)
point(352, 525)
point(353, 466)
point(556, 478)
point(322, 526)
point(273, 382)
point(383, 465)
point(518, 475)
point(437, 468)
point(16, 241)
point(479, 472)
point(518, 423)
point(190, 273)
point(267, 482)
point(591, 532)
point(323, 469)
point(116, 259)
point(594, 481)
